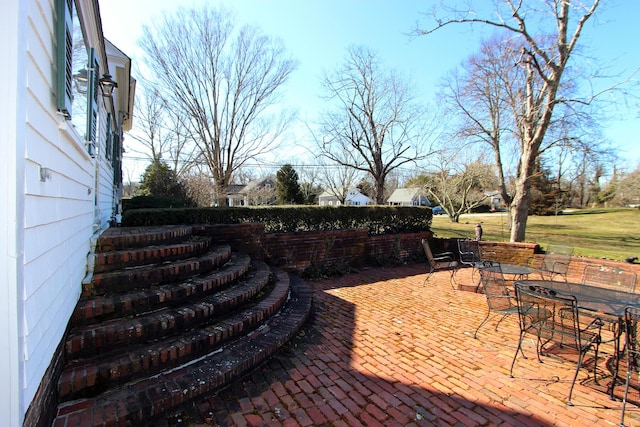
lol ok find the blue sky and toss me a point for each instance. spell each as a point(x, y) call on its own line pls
point(317, 34)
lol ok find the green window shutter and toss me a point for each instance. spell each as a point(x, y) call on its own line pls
point(116, 160)
point(116, 149)
point(108, 150)
point(64, 56)
point(92, 102)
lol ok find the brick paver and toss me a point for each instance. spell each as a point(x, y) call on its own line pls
point(382, 349)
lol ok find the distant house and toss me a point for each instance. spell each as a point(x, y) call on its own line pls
point(259, 192)
point(353, 198)
point(234, 195)
point(63, 120)
point(413, 196)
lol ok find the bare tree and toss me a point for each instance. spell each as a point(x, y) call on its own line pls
point(337, 178)
point(458, 184)
point(628, 193)
point(310, 186)
point(199, 187)
point(223, 81)
point(376, 125)
point(482, 93)
point(150, 115)
point(543, 60)
point(163, 132)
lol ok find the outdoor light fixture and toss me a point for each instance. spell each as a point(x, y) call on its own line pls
point(107, 84)
point(81, 79)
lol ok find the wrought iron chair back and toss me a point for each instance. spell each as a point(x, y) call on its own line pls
point(609, 277)
point(471, 255)
point(499, 298)
point(439, 261)
point(553, 319)
point(555, 262)
point(469, 251)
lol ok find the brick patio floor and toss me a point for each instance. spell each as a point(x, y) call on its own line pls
point(381, 349)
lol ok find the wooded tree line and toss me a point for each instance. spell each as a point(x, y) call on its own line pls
point(513, 118)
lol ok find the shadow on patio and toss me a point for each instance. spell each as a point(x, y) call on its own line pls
point(382, 349)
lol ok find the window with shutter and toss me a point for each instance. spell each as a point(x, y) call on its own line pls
point(92, 104)
point(64, 56)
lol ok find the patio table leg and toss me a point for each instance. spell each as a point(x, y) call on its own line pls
point(617, 354)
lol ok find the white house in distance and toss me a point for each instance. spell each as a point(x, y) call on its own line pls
point(353, 198)
point(62, 131)
point(414, 196)
point(261, 192)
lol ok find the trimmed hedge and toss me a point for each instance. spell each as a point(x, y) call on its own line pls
point(151, 202)
point(285, 219)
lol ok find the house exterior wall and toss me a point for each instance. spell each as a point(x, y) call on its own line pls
point(56, 196)
point(12, 112)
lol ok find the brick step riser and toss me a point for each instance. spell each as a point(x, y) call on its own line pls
point(94, 310)
point(118, 260)
point(118, 239)
point(112, 335)
point(146, 277)
point(144, 401)
point(88, 380)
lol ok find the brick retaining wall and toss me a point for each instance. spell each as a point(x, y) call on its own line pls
point(301, 250)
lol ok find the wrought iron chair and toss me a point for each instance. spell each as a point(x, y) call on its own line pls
point(632, 346)
point(499, 299)
point(555, 262)
point(439, 261)
point(611, 277)
point(471, 255)
point(553, 318)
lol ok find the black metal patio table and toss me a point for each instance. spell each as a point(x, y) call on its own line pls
point(595, 299)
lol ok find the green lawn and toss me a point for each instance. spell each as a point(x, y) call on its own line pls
point(596, 233)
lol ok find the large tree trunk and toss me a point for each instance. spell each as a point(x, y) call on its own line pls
point(221, 193)
point(522, 199)
point(380, 191)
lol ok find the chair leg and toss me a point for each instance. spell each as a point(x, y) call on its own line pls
point(500, 321)
point(452, 279)
point(626, 391)
point(426, 279)
point(595, 365)
point(616, 352)
point(519, 349)
point(476, 272)
point(475, 334)
point(575, 376)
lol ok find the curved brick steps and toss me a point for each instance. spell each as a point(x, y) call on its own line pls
point(116, 260)
point(144, 277)
point(94, 309)
point(142, 401)
point(165, 317)
point(86, 341)
point(86, 378)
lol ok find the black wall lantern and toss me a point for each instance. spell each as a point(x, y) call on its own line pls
point(107, 84)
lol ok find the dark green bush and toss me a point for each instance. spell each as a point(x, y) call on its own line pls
point(280, 219)
point(152, 202)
